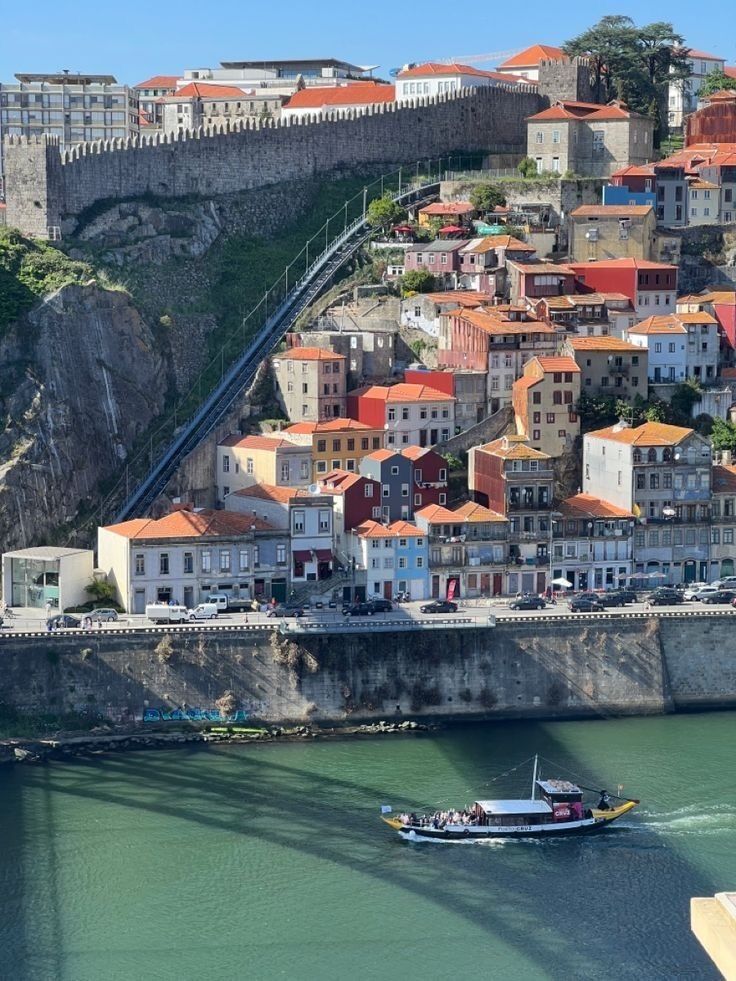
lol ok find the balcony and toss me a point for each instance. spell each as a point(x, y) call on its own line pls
point(619, 369)
point(528, 506)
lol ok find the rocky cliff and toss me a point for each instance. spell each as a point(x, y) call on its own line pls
point(80, 380)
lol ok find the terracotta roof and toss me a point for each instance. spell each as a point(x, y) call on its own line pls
point(602, 344)
point(405, 529)
point(436, 514)
point(271, 443)
point(671, 323)
point(514, 448)
point(701, 185)
point(619, 264)
point(158, 82)
point(472, 512)
point(648, 434)
point(543, 268)
point(700, 317)
point(403, 392)
point(458, 297)
point(271, 492)
point(509, 242)
point(338, 481)
point(415, 452)
point(611, 210)
point(531, 56)
point(436, 69)
point(355, 94)
point(694, 53)
point(467, 513)
point(643, 170)
point(723, 478)
point(327, 426)
point(381, 455)
point(692, 298)
point(730, 71)
point(717, 296)
point(447, 208)
point(727, 372)
point(308, 354)
point(191, 524)
point(200, 90)
point(397, 529)
point(587, 506)
point(558, 364)
point(496, 326)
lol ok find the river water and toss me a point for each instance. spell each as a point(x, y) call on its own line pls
point(269, 861)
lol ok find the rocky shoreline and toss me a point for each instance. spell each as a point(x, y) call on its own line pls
point(104, 739)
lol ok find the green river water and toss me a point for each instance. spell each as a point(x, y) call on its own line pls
point(269, 861)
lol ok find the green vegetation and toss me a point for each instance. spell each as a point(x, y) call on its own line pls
point(453, 462)
point(486, 197)
point(598, 411)
point(13, 725)
point(723, 435)
point(30, 270)
point(101, 590)
point(527, 167)
point(716, 81)
point(384, 211)
point(417, 281)
point(634, 64)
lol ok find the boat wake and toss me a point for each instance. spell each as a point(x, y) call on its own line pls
point(686, 820)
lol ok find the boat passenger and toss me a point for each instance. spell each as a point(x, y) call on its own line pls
point(604, 802)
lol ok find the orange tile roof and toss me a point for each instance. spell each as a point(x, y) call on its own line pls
point(723, 297)
point(531, 56)
point(338, 481)
point(602, 344)
point(543, 268)
point(327, 426)
point(397, 529)
point(381, 455)
point(461, 297)
point(308, 354)
point(558, 364)
point(472, 512)
point(435, 514)
point(403, 392)
point(447, 208)
point(355, 94)
point(191, 524)
point(268, 492)
point(730, 71)
point(588, 506)
point(438, 69)
point(611, 210)
point(158, 82)
point(510, 242)
point(700, 317)
point(619, 264)
point(671, 323)
point(516, 448)
point(467, 513)
point(496, 326)
point(200, 90)
point(723, 478)
point(405, 529)
point(271, 443)
point(648, 434)
point(644, 170)
point(728, 372)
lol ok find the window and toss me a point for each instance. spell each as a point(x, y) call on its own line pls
point(321, 445)
point(224, 560)
point(598, 143)
point(188, 563)
point(385, 490)
point(394, 471)
point(555, 136)
point(539, 136)
point(284, 471)
point(417, 500)
point(140, 564)
point(391, 414)
point(402, 561)
point(243, 560)
point(324, 521)
point(728, 536)
point(550, 417)
point(536, 398)
point(368, 490)
point(256, 556)
point(443, 474)
point(298, 522)
point(163, 564)
point(206, 557)
point(404, 490)
point(249, 465)
point(653, 481)
point(226, 463)
point(281, 555)
point(420, 559)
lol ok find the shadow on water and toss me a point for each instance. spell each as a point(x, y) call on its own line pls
point(577, 908)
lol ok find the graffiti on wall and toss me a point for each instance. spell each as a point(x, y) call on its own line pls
point(193, 715)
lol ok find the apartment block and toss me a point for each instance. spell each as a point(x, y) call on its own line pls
point(610, 366)
point(336, 444)
point(545, 404)
point(310, 383)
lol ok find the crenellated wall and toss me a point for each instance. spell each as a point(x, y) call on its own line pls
point(46, 187)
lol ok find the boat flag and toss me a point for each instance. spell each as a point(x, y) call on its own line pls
point(386, 809)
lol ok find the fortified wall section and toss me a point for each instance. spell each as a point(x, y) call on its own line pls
point(566, 669)
point(46, 187)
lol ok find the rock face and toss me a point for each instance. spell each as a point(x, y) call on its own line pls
point(80, 379)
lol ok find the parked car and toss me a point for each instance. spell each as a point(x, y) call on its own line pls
point(63, 620)
point(359, 610)
point(527, 603)
point(381, 605)
point(720, 596)
point(698, 593)
point(439, 606)
point(727, 582)
point(204, 611)
point(285, 610)
point(103, 615)
point(605, 599)
point(584, 604)
point(665, 596)
point(626, 594)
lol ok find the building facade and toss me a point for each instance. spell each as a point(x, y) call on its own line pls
point(394, 557)
point(545, 401)
point(592, 543)
point(246, 460)
point(614, 231)
point(650, 286)
point(336, 444)
point(411, 415)
point(310, 383)
point(679, 346)
point(610, 366)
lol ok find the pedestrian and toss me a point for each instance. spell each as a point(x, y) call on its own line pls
point(48, 609)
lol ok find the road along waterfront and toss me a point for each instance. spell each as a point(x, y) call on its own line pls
point(270, 861)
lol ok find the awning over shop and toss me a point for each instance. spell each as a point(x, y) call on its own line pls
point(324, 555)
point(303, 555)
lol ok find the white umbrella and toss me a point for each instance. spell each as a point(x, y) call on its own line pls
point(657, 575)
point(562, 582)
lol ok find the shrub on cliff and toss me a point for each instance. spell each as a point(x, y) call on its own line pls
point(486, 197)
point(384, 211)
point(417, 281)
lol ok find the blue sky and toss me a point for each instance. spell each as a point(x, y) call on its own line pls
point(135, 39)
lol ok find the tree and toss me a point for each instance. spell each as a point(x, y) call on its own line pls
point(716, 81)
point(723, 435)
point(417, 281)
point(486, 197)
point(101, 589)
point(384, 211)
point(527, 167)
point(684, 398)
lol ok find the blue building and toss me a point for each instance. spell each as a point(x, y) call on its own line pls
point(394, 558)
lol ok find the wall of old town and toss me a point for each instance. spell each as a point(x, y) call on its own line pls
point(566, 668)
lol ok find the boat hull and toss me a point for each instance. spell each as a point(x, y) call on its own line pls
point(597, 822)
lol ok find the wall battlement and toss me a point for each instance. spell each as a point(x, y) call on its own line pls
point(50, 187)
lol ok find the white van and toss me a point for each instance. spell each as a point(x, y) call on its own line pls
point(205, 611)
point(218, 599)
point(163, 613)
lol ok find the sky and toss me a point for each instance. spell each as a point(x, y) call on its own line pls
point(135, 39)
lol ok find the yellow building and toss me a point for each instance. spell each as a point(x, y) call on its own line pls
point(246, 460)
point(336, 444)
point(545, 403)
point(610, 366)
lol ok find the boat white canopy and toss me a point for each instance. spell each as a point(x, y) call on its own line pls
point(514, 806)
point(553, 787)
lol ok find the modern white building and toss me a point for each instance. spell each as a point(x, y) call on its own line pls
point(436, 78)
point(683, 95)
point(679, 346)
point(33, 577)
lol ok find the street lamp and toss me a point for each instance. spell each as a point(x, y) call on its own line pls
point(553, 516)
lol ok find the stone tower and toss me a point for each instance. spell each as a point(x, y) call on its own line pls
point(33, 171)
point(568, 81)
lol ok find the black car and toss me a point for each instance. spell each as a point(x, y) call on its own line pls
point(359, 610)
point(721, 596)
point(63, 620)
point(527, 603)
point(627, 595)
point(382, 605)
point(439, 606)
point(286, 610)
point(605, 599)
point(665, 596)
point(585, 604)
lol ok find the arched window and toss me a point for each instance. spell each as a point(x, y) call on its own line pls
point(667, 454)
point(652, 455)
point(637, 456)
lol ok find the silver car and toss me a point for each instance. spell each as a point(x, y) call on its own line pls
point(102, 615)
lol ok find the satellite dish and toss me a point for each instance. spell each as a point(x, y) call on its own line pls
point(393, 72)
point(313, 488)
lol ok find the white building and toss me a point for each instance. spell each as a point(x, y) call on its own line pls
point(435, 78)
point(338, 99)
point(683, 95)
point(33, 577)
point(679, 346)
point(592, 545)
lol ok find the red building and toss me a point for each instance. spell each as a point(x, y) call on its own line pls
point(651, 286)
point(428, 476)
point(356, 498)
point(535, 279)
point(637, 179)
point(441, 381)
point(723, 306)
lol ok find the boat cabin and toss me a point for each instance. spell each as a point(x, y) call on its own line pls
point(504, 812)
point(565, 799)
